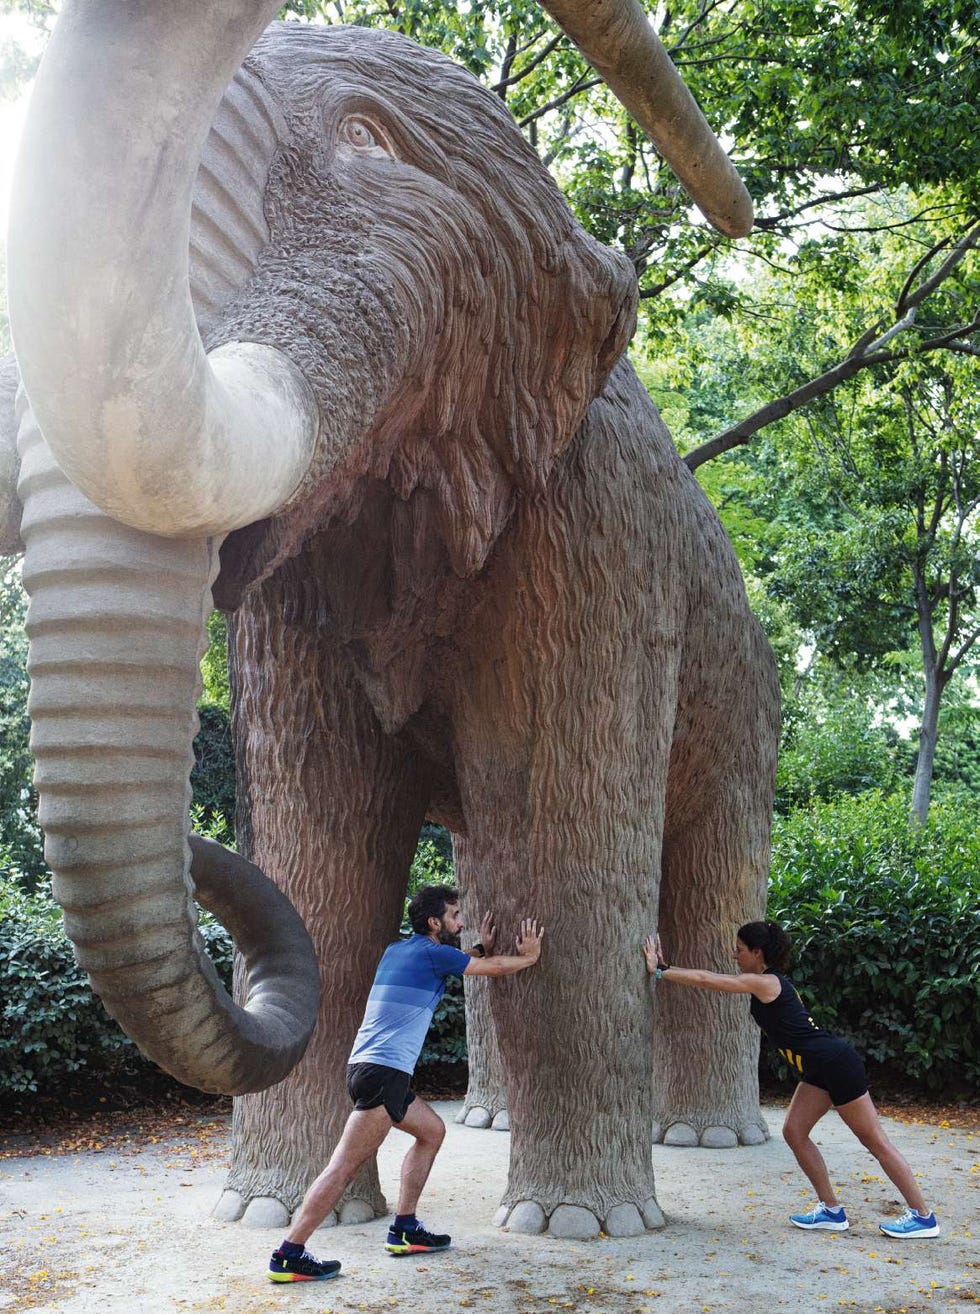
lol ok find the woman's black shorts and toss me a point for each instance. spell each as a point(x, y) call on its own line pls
point(372, 1084)
point(840, 1073)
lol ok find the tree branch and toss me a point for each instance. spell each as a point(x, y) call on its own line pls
point(961, 249)
point(678, 274)
point(501, 87)
point(963, 649)
point(580, 84)
point(868, 350)
point(775, 221)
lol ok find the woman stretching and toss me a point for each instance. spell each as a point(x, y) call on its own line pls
point(831, 1074)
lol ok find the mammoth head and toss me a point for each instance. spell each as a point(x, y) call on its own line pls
point(238, 294)
point(423, 270)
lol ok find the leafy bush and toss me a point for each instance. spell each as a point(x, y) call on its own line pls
point(213, 773)
point(54, 1032)
point(21, 847)
point(51, 1024)
point(885, 920)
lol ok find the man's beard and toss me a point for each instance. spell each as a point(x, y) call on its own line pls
point(447, 937)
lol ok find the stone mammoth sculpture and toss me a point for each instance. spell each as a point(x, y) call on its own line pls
point(316, 334)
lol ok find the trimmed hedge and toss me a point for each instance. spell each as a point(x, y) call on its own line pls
point(885, 920)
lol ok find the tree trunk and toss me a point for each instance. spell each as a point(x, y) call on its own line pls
point(332, 807)
point(928, 737)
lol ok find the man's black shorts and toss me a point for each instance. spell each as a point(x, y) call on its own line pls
point(372, 1084)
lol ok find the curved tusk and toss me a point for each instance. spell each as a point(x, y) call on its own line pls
point(616, 37)
point(156, 433)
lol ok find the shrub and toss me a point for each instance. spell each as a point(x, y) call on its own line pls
point(54, 1031)
point(885, 922)
point(51, 1024)
point(213, 773)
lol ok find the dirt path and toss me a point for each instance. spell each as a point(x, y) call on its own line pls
point(125, 1229)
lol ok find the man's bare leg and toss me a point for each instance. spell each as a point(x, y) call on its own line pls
point(364, 1132)
point(429, 1131)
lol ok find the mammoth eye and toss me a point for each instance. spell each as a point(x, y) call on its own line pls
point(363, 136)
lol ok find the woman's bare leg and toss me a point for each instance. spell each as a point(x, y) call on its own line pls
point(861, 1117)
point(807, 1107)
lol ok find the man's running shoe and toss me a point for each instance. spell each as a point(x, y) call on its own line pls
point(821, 1219)
point(414, 1241)
point(301, 1268)
point(910, 1224)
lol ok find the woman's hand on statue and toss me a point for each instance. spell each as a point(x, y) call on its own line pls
point(653, 953)
point(650, 953)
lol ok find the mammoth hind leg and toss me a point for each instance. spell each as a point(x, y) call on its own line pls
point(713, 880)
point(706, 1047)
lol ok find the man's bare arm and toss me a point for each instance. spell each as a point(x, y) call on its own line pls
point(528, 953)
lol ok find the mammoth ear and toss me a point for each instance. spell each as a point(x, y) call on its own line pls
point(580, 318)
point(228, 224)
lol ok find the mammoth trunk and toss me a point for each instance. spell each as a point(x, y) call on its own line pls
point(116, 630)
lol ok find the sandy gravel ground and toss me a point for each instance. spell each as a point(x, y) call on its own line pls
point(126, 1230)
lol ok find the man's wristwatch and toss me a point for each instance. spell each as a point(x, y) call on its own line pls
point(478, 950)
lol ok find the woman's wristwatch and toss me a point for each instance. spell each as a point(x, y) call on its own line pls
point(661, 968)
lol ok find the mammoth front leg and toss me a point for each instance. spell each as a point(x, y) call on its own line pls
point(562, 750)
point(332, 807)
point(575, 1039)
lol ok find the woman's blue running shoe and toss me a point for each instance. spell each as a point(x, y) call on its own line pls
point(910, 1224)
point(821, 1219)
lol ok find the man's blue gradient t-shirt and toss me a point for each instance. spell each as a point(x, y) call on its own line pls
point(409, 982)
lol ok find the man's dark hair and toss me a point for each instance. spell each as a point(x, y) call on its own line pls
point(430, 901)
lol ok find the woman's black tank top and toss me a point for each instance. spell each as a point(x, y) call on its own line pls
point(791, 1029)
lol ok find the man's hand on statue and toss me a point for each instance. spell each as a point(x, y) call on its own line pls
point(529, 939)
point(488, 934)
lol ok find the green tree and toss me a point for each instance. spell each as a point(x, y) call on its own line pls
point(892, 563)
point(864, 504)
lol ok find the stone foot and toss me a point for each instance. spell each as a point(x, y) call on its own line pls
point(270, 1212)
point(712, 1137)
point(483, 1118)
point(576, 1223)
